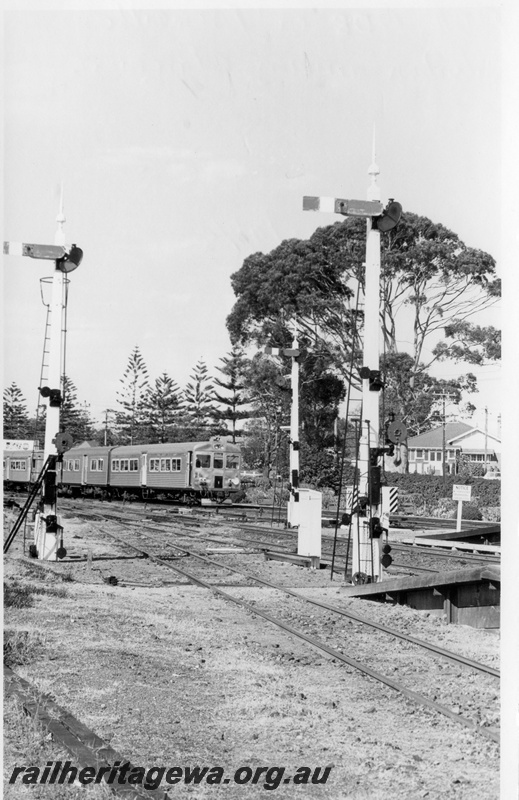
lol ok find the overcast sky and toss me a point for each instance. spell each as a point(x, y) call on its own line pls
point(186, 140)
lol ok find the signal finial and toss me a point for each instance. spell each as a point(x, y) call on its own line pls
point(59, 238)
point(374, 171)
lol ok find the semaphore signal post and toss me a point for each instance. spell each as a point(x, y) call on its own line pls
point(370, 519)
point(48, 539)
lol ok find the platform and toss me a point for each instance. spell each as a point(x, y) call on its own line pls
point(487, 535)
point(463, 596)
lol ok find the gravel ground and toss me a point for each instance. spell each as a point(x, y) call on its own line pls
point(173, 675)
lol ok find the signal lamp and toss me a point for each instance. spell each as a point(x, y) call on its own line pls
point(44, 391)
point(389, 218)
point(54, 397)
point(386, 561)
point(71, 260)
point(375, 380)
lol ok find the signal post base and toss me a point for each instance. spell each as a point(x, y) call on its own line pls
point(46, 543)
point(366, 567)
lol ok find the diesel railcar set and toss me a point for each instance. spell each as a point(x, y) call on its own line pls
point(180, 471)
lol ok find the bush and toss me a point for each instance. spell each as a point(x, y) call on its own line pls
point(491, 513)
point(431, 489)
point(470, 511)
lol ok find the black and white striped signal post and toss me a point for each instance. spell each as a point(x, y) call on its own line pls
point(48, 544)
point(366, 516)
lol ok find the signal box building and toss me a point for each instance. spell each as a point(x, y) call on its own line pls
point(482, 450)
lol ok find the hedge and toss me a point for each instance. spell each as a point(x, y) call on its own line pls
point(432, 488)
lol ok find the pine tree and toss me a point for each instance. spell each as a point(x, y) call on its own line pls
point(131, 397)
point(74, 418)
point(234, 365)
point(199, 399)
point(16, 418)
point(162, 405)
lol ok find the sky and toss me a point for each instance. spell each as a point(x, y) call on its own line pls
point(185, 141)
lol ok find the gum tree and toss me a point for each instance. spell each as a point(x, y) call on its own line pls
point(430, 281)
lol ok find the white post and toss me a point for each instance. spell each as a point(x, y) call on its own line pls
point(459, 515)
point(47, 542)
point(365, 555)
point(293, 502)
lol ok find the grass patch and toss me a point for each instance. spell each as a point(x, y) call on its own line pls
point(21, 647)
point(28, 743)
point(18, 595)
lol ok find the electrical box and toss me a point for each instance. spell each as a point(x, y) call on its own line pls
point(310, 523)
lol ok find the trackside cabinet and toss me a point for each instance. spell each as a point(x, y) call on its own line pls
point(310, 514)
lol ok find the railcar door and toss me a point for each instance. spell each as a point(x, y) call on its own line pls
point(84, 470)
point(218, 467)
point(144, 469)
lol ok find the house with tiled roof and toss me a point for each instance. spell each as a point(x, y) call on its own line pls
point(480, 449)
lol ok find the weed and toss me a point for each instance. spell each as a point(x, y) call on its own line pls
point(17, 596)
point(21, 647)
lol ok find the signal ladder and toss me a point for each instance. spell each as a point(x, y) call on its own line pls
point(33, 491)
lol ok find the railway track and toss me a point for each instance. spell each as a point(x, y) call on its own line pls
point(320, 629)
point(276, 538)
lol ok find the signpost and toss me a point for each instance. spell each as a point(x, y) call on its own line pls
point(462, 493)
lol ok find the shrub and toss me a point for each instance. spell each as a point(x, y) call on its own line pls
point(470, 511)
point(491, 513)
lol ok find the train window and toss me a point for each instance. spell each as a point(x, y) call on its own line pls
point(97, 464)
point(165, 465)
point(176, 464)
point(203, 461)
point(124, 465)
point(218, 461)
point(134, 464)
point(115, 465)
point(232, 462)
point(154, 464)
point(19, 465)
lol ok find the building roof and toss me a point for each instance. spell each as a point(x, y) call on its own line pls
point(434, 437)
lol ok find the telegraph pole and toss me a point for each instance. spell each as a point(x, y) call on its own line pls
point(366, 525)
point(48, 543)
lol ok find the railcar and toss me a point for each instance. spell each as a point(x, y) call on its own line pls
point(182, 471)
point(21, 466)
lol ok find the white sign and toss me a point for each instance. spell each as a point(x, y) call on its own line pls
point(19, 444)
point(461, 492)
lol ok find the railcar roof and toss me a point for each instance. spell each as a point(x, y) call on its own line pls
point(135, 449)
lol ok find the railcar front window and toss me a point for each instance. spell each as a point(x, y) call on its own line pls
point(218, 462)
point(203, 461)
point(232, 462)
